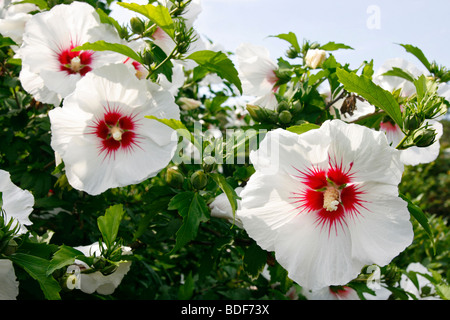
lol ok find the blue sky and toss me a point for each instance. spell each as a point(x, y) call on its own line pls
point(372, 27)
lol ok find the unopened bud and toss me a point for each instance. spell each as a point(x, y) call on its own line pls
point(412, 122)
point(174, 178)
point(297, 106)
point(283, 105)
point(147, 57)
point(256, 112)
point(315, 58)
point(11, 247)
point(271, 116)
point(199, 179)
point(285, 116)
point(188, 103)
point(291, 53)
point(137, 25)
point(424, 137)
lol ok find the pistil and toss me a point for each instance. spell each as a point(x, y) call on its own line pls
point(331, 199)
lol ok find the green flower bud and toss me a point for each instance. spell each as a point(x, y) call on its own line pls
point(297, 107)
point(412, 121)
point(11, 247)
point(256, 112)
point(174, 178)
point(137, 25)
point(209, 163)
point(291, 53)
point(147, 57)
point(285, 116)
point(283, 105)
point(199, 179)
point(424, 137)
point(272, 116)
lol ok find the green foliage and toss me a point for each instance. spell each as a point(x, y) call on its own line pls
point(374, 94)
point(179, 250)
point(217, 62)
point(160, 15)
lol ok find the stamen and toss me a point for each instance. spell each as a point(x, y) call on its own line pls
point(331, 199)
point(116, 133)
point(75, 64)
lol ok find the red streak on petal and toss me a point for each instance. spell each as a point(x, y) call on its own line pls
point(65, 58)
point(114, 117)
point(314, 178)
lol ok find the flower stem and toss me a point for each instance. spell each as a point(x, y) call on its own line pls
point(162, 62)
point(400, 145)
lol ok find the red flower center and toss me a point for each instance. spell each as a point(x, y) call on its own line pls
point(328, 193)
point(74, 62)
point(116, 131)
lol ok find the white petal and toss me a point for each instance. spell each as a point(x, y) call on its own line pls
point(17, 203)
point(315, 257)
point(9, 286)
point(382, 229)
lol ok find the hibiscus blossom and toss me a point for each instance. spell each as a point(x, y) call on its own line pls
point(102, 135)
point(328, 203)
point(50, 68)
point(13, 17)
point(257, 74)
point(90, 282)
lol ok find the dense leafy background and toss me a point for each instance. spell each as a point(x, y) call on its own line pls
point(209, 258)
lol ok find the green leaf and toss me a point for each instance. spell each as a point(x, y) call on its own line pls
point(193, 214)
point(160, 15)
point(180, 128)
point(37, 268)
point(181, 202)
point(302, 128)
point(421, 218)
point(109, 224)
point(102, 45)
point(165, 66)
point(333, 46)
point(255, 259)
point(417, 53)
point(104, 18)
point(42, 4)
point(398, 72)
point(443, 290)
point(227, 189)
point(421, 87)
point(291, 38)
point(6, 42)
point(63, 257)
point(187, 289)
point(373, 93)
point(217, 62)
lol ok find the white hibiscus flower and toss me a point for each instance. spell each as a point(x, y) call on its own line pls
point(13, 17)
point(418, 288)
point(327, 204)
point(102, 135)
point(90, 282)
point(257, 74)
point(50, 69)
